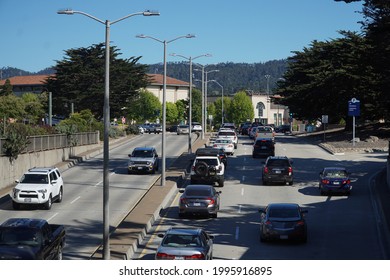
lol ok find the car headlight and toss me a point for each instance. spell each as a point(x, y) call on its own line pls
point(15, 192)
point(131, 162)
point(43, 192)
point(149, 163)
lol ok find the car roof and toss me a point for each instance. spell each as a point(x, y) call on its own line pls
point(23, 222)
point(43, 170)
point(334, 168)
point(144, 149)
point(285, 205)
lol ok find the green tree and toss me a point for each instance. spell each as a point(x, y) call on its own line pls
point(196, 105)
point(182, 109)
point(241, 108)
point(80, 80)
point(145, 107)
point(6, 89)
point(33, 107)
point(12, 106)
point(172, 113)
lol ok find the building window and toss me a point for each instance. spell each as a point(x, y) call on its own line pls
point(260, 109)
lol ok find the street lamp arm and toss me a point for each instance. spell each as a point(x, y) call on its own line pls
point(184, 36)
point(71, 12)
point(146, 13)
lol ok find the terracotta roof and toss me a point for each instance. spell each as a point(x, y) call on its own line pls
point(26, 80)
point(158, 79)
point(40, 79)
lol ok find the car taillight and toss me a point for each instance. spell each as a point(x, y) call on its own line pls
point(193, 168)
point(183, 200)
point(230, 145)
point(195, 257)
point(165, 256)
point(300, 223)
point(266, 170)
point(289, 169)
point(324, 181)
point(346, 182)
point(215, 145)
point(268, 223)
point(211, 200)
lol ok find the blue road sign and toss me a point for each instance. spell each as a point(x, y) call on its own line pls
point(354, 107)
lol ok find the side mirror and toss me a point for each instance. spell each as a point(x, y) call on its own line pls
point(156, 155)
point(129, 155)
point(181, 191)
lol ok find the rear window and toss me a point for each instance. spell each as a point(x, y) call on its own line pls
point(208, 161)
point(263, 143)
point(194, 192)
point(283, 213)
point(227, 133)
point(278, 162)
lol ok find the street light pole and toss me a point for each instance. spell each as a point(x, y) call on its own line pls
point(106, 117)
point(222, 119)
point(268, 101)
point(164, 107)
point(206, 87)
point(190, 59)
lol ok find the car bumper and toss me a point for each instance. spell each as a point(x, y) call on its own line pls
point(140, 168)
point(333, 189)
point(198, 210)
point(278, 178)
point(290, 234)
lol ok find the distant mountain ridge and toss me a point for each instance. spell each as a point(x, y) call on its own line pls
point(232, 76)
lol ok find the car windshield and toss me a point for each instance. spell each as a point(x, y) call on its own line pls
point(335, 173)
point(176, 240)
point(34, 179)
point(197, 192)
point(142, 153)
point(283, 213)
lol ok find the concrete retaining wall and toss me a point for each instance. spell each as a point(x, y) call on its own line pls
point(9, 172)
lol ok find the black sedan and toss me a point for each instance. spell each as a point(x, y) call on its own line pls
point(200, 200)
point(335, 180)
point(283, 221)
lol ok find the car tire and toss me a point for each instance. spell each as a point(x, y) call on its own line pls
point(60, 195)
point(48, 203)
point(201, 168)
point(215, 215)
point(15, 205)
point(221, 183)
point(291, 183)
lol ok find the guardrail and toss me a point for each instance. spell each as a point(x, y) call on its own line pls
point(56, 141)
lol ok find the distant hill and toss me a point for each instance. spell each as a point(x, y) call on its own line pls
point(232, 76)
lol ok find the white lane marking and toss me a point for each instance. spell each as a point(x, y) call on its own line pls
point(74, 200)
point(237, 232)
point(52, 216)
point(101, 182)
point(239, 208)
point(242, 191)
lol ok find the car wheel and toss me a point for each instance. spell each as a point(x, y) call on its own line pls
point(291, 183)
point(215, 215)
point(15, 205)
point(48, 203)
point(60, 195)
point(221, 183)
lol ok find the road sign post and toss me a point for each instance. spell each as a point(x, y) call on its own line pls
point(354, 111)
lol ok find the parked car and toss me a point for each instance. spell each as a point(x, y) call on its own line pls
point(335, 180)
point(171, 128)
point(196, 127)
point(143, 159)
point(283, 221)
point(229, 134)
point(185, 244)
point(199, 200)
point(31, 239)
point(226, 144)
point(208, 170)
point(155, 128)
point(38, 186)
point(213, 152)
point(285, 128)
point(183, 129)
point(278, 169)
point(263, 147)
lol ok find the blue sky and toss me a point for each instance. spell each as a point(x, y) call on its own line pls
point(34, 36)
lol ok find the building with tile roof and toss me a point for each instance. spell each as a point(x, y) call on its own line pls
point(176, 89)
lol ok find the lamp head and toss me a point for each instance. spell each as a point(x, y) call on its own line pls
point(141, 36)
point(150, 13)
point(65, 12)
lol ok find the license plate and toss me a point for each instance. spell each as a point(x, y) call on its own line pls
point(278, 171)
point(196, 204)
point(139, 167)
point(179, 258)
point(336, 183)
point(27, 200)
point(263, 147)
point(284, 237)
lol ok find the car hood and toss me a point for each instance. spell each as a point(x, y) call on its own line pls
point(20, 252)
point(31, 187)
point(141, 159)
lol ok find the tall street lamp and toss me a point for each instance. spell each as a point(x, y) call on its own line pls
point(206, 82)
point(106, 117)
point(164, 107)
point(190, 59)
point(222, 111)
point(268, 101)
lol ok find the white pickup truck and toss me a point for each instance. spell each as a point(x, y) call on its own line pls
point(265, 132)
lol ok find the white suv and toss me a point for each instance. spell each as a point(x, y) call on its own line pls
point(229, 134)
point(208, 169)
point(39, 185)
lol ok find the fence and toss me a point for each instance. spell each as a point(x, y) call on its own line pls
point(41, 143)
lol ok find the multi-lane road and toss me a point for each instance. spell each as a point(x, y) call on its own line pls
point(339, 227)
point(81, 210)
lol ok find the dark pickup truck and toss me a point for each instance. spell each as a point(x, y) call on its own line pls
point(31, 239)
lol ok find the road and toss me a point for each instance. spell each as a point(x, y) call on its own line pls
point(81, 210)
point(339, 227)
